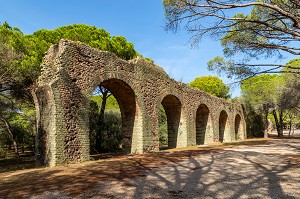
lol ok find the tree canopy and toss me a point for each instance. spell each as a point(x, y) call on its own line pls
point(90, 35)
point(262, 90)
point(20, 63)
point(275, 95)
point(21, 55)
point(212, 85)
point(292, 88)
point(13, 75)
point(253, 28)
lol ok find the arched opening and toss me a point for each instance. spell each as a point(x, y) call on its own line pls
point(202, 116)
point(172, 107)
point(237, 126)
point(222, 125)
point(112, 129)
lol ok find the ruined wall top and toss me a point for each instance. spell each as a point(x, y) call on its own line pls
point(65, 51)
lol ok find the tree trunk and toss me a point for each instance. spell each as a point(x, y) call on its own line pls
point(290, 127)
point(105, 96)
point(278, 123)
point(266, 112)
point(22, 146)
point(293, 130)
point(11, 134)
point(103, 106)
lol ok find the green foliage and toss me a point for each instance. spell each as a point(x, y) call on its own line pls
point(273, 94)
point(254, 120)
point(12, 51)
point(90, 35)
point(260, 34)
point(228, 67)
point(3, 152)
point(294, 62)
point(244, 39)
point(22, 55)
point(105, 127)
point(111, 103)
point(290, 97)
point(20, 117)
point(268, 30)
point(122, 48)
point(263, 89)
point(111, 133)
point(211, 84)
point(20, 63)
point(24, 124)
point(241, 36)
point(5, 141)
point(150, 60)
point(292, 74)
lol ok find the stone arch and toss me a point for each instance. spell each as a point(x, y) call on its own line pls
point(172, 107)
point(130, 112)
point(238, 128)
point(203, 125)
point(70, 73)
point(223, 126)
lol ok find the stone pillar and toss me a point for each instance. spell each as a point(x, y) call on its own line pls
point(45, 143)
point(182, 132)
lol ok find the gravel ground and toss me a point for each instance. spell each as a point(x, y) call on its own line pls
point(242, 172)
point(269, 170)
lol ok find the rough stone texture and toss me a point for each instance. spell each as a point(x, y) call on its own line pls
point(70, 73)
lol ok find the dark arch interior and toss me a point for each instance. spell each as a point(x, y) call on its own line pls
point(201, 123)
point(172, 108)
point(126, 100)
point(222, 125)
point(237, 123)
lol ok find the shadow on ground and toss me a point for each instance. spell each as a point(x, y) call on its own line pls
point(263, 169)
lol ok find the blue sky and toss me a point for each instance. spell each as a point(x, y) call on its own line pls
point(139, 21)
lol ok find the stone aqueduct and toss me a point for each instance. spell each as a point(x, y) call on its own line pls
point(70, 73)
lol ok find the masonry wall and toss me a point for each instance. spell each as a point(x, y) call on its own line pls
point(70, 73)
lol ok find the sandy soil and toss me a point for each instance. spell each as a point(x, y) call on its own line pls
point(251, 169)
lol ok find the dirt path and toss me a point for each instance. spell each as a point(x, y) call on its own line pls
point(255, 169)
